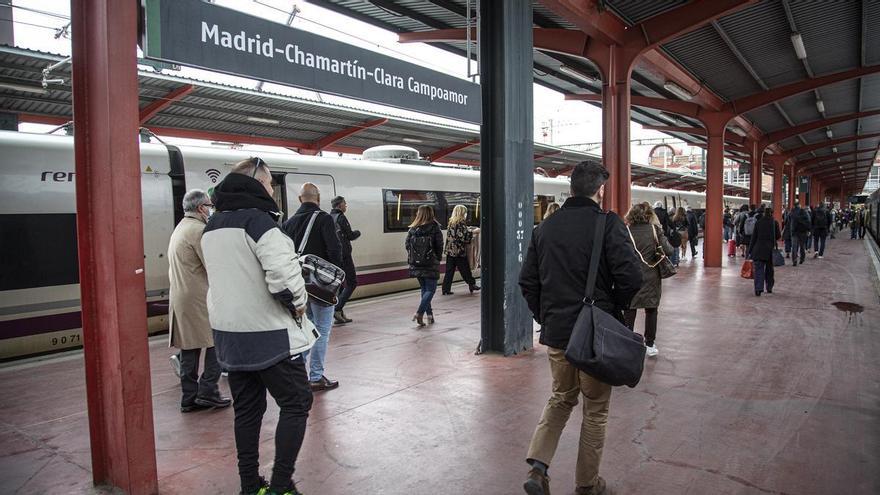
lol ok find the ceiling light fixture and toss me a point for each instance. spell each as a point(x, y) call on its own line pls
point(820, 106)
point(262, 120)
point(558, 162)
point(23, 88)
point(678, 90)
point(829, 134)
point(798, 41)
point(834, 149)
point(578, 74)
point(412, 140)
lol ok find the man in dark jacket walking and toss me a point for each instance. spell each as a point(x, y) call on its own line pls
point(800, 228)
point(693, 230)
point(663, 217)
point(322, 242)
point(553, 280)
point(345, 235)
point(762, 244)
point(821, 222)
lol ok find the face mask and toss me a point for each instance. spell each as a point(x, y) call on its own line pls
point(210, 212)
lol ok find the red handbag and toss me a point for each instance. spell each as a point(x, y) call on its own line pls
point(747, 270)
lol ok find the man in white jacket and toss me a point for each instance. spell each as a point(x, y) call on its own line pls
point(256, 305)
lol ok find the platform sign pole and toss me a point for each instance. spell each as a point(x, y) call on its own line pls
point(506, 171)
point(110, 244)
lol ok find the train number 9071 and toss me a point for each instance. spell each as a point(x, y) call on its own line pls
point(73, 338)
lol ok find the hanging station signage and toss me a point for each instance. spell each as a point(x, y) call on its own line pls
point(199, 34)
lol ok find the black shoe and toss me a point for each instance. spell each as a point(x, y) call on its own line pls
point(474, 288)
point(758, 293)
point(769, 291)
point(323, 384)
point(447, 293)
point(188, 408)
point(345, 317)
point(217, 402)
point(338, 318)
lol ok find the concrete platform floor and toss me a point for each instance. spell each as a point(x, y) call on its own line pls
point(771, 395)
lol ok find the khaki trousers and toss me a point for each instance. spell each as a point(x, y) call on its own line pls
point(568, 383)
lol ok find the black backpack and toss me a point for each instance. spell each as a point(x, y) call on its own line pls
point(821, 219)
point(421, 250)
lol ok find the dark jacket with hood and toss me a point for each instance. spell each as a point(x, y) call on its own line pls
point(693, 225)
point(764, 238)
point(322, 239)
point(433, 231)
point(554, 274)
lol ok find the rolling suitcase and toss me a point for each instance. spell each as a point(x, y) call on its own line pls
point(731, 248)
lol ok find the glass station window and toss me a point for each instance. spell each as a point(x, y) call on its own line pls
point(401, 207)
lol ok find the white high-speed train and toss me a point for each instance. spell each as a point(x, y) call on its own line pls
point(39, 290)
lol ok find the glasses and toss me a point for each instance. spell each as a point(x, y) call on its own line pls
point(258, 162)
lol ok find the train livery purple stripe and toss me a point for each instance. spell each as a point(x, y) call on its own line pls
point(24, 327)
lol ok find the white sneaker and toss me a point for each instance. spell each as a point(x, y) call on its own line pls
point(175, 365)
point(651, 351)
point(820, 257)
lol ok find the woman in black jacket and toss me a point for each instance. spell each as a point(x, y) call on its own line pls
point(424, 247)
point(761, 246)
point(647, 237)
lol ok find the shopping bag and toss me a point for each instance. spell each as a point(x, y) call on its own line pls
point(778, 257)
point(747, 270)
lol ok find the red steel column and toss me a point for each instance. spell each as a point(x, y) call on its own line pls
point(777, 191)
point(755, 172)
point(792, 186)
point(622, 63)
point(610, 137)
point(712, 235)
point(110, 244)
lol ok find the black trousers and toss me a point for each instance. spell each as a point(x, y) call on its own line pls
point(351, 282)
point(799, 248)
point(763, 275)
point(460, 262)
point(288, 383)
point(190, 384)
point(694, 243)
point(629, 317)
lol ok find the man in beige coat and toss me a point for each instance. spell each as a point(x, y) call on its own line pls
point(190, 330)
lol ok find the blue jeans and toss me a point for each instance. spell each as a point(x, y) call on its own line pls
point(676, 253)
point(429, 287)
point(728, 233)
point(819, 244)
point(763, 275)
point(322, 317)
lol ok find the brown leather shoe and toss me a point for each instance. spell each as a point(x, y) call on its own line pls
point(537, 484)
point(323, 384)
point(597, 489)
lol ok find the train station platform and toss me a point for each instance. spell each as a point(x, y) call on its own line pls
point(772, 395)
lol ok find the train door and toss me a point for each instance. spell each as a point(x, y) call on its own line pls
point(293, 181)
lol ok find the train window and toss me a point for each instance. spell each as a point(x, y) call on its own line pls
point(470, 200)
point(38, 250)
point(541, 204)
point(401, 207)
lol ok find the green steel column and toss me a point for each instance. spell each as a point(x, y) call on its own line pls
point(506, 172)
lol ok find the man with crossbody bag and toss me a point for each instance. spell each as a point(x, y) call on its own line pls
point(322, 243)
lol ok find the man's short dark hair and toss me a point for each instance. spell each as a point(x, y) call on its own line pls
point(335, 202)
point(586, 178)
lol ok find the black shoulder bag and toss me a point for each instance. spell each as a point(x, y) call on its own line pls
point(600, 345)
point(323, 279)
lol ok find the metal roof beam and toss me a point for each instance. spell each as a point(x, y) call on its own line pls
point(784, 134)
point(163, 102)
point(318, 145)
point(679, 21)
point(833, 142)
point(820, 159)
point(749, 103)
point(852, 169)
point(437, 155)
point(407, 12)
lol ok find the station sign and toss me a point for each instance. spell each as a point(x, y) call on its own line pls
point(199, 34)
point(803, 184)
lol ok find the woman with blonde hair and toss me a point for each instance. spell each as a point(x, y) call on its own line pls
point(458, 236)
point(424, 247)
point(648, 238)
point(551, 209)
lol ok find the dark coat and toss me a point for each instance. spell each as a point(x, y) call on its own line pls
point(693, 227)
point(663, 217)
point(764, 239)
point(432, 229)
point(821, 221)
point(344, 232)
point(800, 221)
point(322, 239)
point(554, 274)
point(649, 295)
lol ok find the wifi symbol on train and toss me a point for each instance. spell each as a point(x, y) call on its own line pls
point(213, 174)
